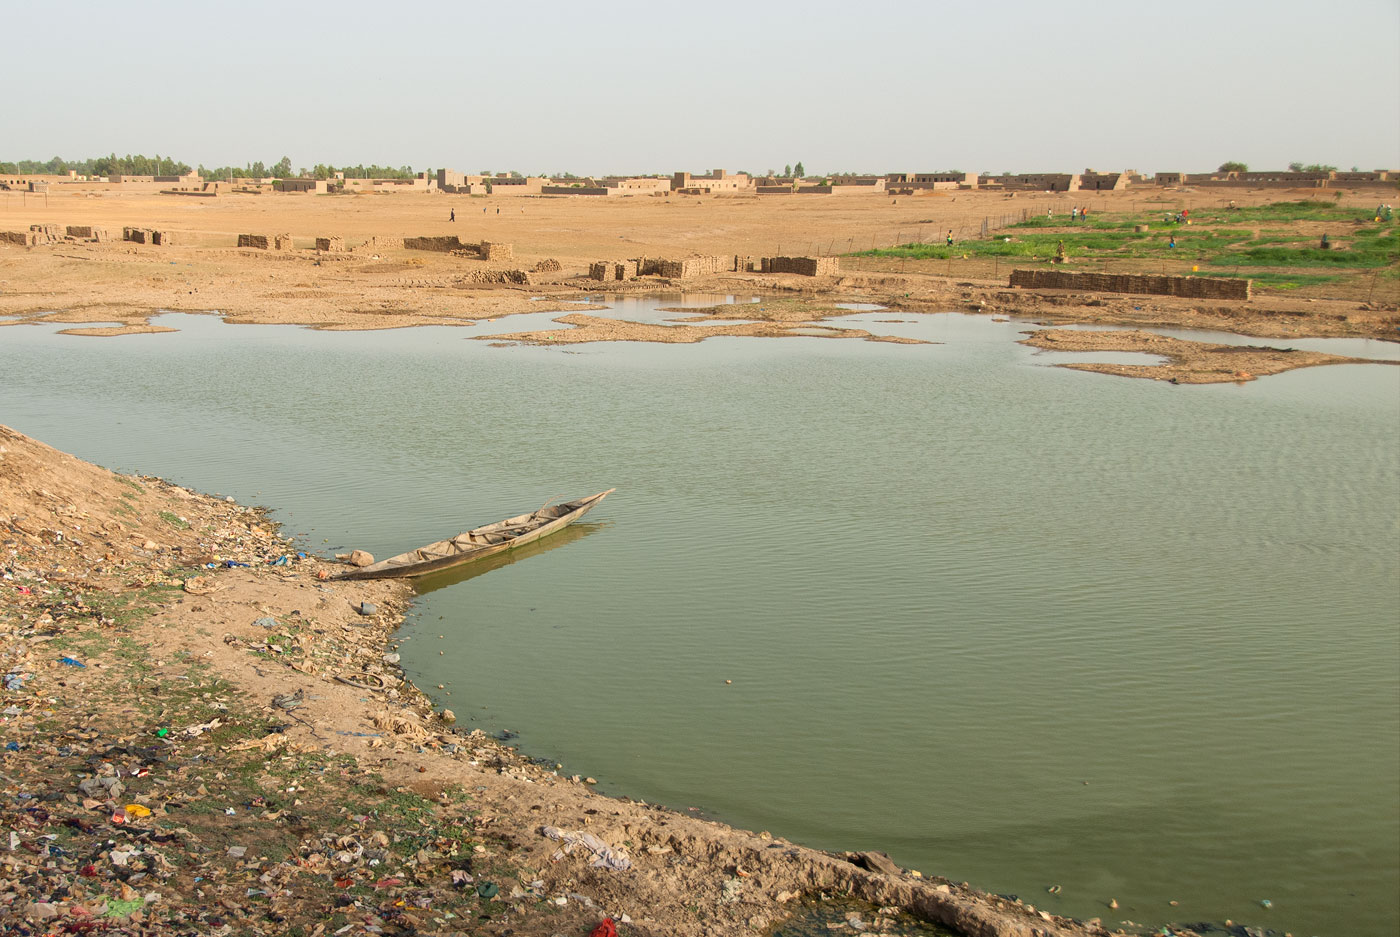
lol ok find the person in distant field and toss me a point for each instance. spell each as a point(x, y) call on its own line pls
point(452, 215)
point(1326, 242)
point(1049, 213)
point(498, 211)
point(1172, 242)
point(950, 237)
point(1083, 214)
point(1074, 213)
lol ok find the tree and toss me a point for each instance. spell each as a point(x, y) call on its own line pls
point(798, 170)
point(1233, 166)
point(787, 171)
point(282, 169)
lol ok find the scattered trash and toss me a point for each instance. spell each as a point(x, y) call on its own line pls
point(604, 929)
point(604, 856)
point(71, 662)
point(367, 608)
point(488, 890)
point(266, 622)
point(288, 701)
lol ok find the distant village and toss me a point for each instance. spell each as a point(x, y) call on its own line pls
point(715, 182)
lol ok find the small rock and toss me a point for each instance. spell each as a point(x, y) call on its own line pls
point(449, 716)
point(1113, 903)
point(41, 911)
point(361, 558)
point(367, 608)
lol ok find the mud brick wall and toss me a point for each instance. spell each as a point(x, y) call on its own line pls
point(79, 231)
point(627, 270)
point(150, 236)
point(380, 243)
point(260, 241)
point(440, 244)
point(50, 231)
point(162, 238)
point(516, 277)
point(1190, 287)
point(743, 263)
point(691, 267)
point(803, 266)
point(493, 251)
point(282, 242)
point(601, 270)
point(332, 244)
point(15, 237)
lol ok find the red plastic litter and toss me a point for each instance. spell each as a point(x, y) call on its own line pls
point(605, 929)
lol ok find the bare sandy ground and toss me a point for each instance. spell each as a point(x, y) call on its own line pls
point(116, 288)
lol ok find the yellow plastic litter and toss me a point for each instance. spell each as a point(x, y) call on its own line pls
point(137, 810)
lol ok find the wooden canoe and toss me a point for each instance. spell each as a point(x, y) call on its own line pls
point(479, 542)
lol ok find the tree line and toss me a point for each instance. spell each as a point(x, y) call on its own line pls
point(138, 165)
point(112, 165)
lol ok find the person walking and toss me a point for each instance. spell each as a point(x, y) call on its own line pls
point(452, 215)
point(950, 237)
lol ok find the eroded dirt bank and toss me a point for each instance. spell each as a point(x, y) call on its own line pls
point(233, 750)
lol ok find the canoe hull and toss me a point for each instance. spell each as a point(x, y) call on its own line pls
point(476, 544)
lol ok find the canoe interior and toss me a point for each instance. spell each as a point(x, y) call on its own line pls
point(479, 542)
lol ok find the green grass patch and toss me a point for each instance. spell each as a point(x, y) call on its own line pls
point(174, 520)
point(1360, 257)
point(1277, 281)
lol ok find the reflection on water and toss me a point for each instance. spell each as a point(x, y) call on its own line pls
point(432, 582)
point(950, 585)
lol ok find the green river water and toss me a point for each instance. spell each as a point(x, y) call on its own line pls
point(1012, 624)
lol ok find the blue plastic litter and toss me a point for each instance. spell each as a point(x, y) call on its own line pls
point(230, 564)
point(265, 622)
point(14, 681)
point(11, 746)
point(71, 662)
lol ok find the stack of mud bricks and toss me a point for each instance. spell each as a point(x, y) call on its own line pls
point(803, 266)
point(147, 236)
point(381, 243)
point(87, 232)
point(36, 235)
point(441, 244)
point(259, 241)
point(744, 263)
point(491, 251)
point(334, 245)
point(690, 267)
point(613, 270)
point(1188, 287)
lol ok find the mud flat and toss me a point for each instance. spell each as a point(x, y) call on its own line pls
point(115, 287)
point(1187, 362)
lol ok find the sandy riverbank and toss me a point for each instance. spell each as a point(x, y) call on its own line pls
point(115, 288)
point(234, 750)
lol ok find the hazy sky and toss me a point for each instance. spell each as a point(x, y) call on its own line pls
point(632, 87)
